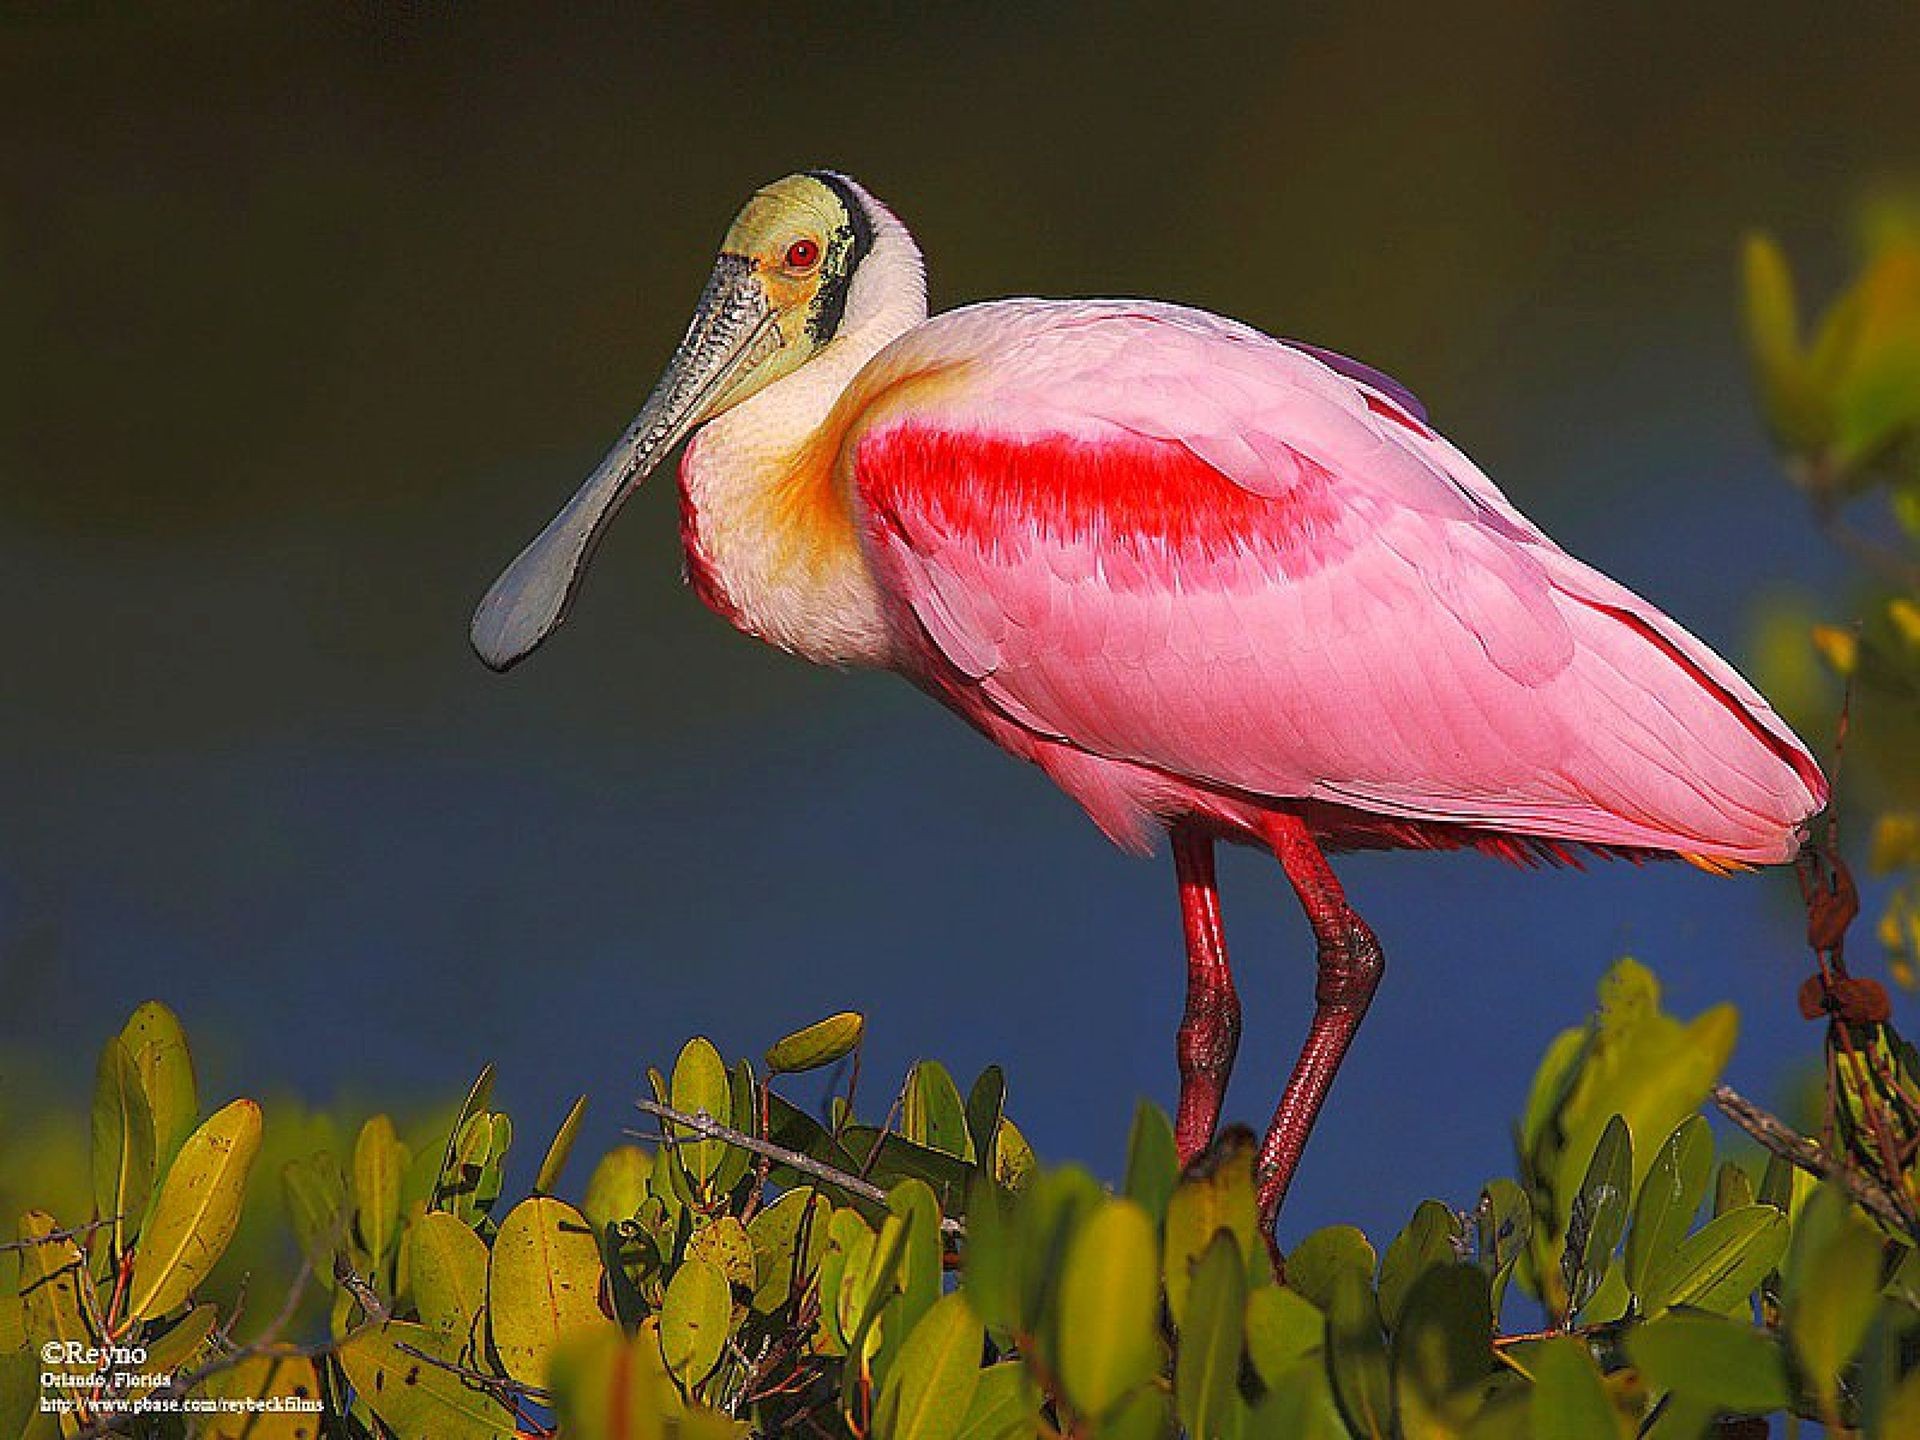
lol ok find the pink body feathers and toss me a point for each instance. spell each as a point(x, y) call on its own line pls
point(1192, 571)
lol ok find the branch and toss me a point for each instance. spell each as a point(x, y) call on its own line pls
point(707, 1128)
point(1781, 1139)
point(54, 1237)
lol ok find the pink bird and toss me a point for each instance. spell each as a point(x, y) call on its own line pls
point(1214, 584)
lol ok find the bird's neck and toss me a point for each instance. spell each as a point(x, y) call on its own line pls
point(766, 520)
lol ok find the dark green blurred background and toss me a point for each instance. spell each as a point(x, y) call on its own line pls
point(310, 316)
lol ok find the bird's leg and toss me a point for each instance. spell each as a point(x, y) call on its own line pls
point(1210, 1029)
point(1350, 965)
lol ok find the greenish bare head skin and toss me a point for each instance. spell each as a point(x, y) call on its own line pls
point(804, 236)
point(776, 298)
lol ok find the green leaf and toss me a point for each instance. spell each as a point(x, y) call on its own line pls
point(1599, 1215)
point(1569, 1398)
point(1428, 1241)
point(379, 1162)
point(701, 1085)
point(1504, 1220)
point(820, 1043)
point(618, 1185)
point(543, 1284)
point(316, 1197)
point(930, 1388)
point(1014, 1163)
point(1206, 1371)
point(776, 1235)
point(1633, 1060)
point(415, 1396)
point(1215, 1194)
point(922, 1253)
point(181, 1345)
point(1706, 1357)
point(991, 1273)
point(931, 1111)
point(1669, 1198)
point(1300, 1407)
point(196, 1211)
point(1153, 1162)
point(1443, 1351)
point(1283, 1329)
point(695, 1320)
point(1721, 1265)
point(547, 1179)
point(986, 1104)
point(123, 1143)
point(1006, 1405)
point(1732, 1188)
point(158, 1045)
point(1832, 1289)
point(449, 1186)
point(1316, 1264)
point(1357, 1357)
point(1109, 1299)
point(447, 1264)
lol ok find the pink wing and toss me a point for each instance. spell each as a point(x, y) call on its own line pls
point(1161, 540)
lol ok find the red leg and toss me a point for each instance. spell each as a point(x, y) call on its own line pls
point(1350, 964)
point(1210, 1029)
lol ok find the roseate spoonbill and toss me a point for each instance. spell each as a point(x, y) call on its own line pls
point(1212, 583)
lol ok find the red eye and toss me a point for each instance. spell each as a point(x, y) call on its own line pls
point(802, 255)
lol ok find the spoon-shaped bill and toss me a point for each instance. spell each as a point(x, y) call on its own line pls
point(732, 330)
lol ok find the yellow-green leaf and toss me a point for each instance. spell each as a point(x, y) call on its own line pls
point(547, 1179)
point(1357, 1357)
point(1206, 1369)
point(447, 1264)
point(1109, 1335)
point(1570, 1400)
point(284, 1380)
point(158, 1045)
point(930, 1387)
point(52, 1274)
point(695, 1320)
point(820, 1043)
point(543, 1284)
point(1215, 1194)
point(1668, 1199)
point(1833, 1289)
point(1443, 1351)
point(1283, 1329)
point(196, 1211)
point(1721, 1264)
point(618, 1185)
point(379, 1162)
point(414, 1396)
point(701, 1086)
point(1706, 1357)
point(123, 1143)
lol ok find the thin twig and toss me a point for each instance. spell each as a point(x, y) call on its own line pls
point(266, 1343)
point(1781, 1139)
point(54, 1237)
point(707, 1128)
point(359, 1289)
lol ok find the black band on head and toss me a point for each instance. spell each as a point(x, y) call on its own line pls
point(843, 257)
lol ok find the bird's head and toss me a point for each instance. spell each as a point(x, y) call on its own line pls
point(789, 280)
